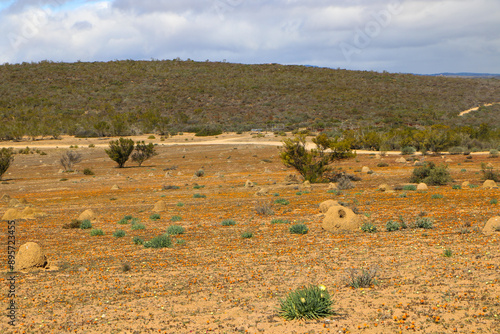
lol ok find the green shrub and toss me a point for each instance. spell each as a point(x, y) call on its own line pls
point(86, 224)
point(247, 235)
point(199, 196)
point(151, 137)
point(424, 222)
point(138, 240)
point(493, 201)
point(119, 234)
point(409, 187)
point(207, 131)
point(382, 164)
point(88, 171)
point(180, 204)
point(155, 216)
point(120, 150)
point(74, 224)
point(176, 218)
point(368, 227)
point(489, 173)
point(91, 145)
point(334, 191)
point(447, 253)
point(408, 150)
point(123, 221)
point(128, 217)
point(456, 187)
point(363, 279)
point(138, 226)
point(280, 221)
point(197, 186)
point(431, 175)
point(493, 153)
point(161, 241)
point(282, 201)
point(392, 226)
point(228, 222)
point(312, 302)
point(96, 231)
point(436, 196)
point(299, 229)
point(143, 152)
point(134, 221)
point(402, 195)
point(181, 242)
point(175, 230)
point(199, 173)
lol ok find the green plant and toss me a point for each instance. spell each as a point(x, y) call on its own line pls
point(151, 137)
point(408, 150)
point(69, 158)
point(493, 153)
point(456, 187)
point(161, 241)
point(197, 186)
point(199, 196)
point(368, 227)
point(63, 179)
point(363, 279)
point(126, 267)
point(86, 224)
point(312, 164)
point(282, 201)
point(431, 174)
point(402, 223)
point(228, 222)
point(392, 226)
point(312, 302)
point(489, 173)
point(280, 221)
point(424, 222)
point(181, 242)
point(73, 224)
point(175, 229)
point(247, 235)
point(199, 173)
point(180, 204)
point(494, 201)
point(143, 152)
point(119, 233)
point(382, 164)
point(123, 221)
point(436, 196)
point(120, 150)
point(96, 231)
point(6, 159)
point(88, 171)
point(176, 218)
point(138, 226)
point(138, 240)
point(133, 220)
point(402, 195)
point(299, 229)
point(334, 191)
point(447, 253)
point(155, 216)
point(409, 187)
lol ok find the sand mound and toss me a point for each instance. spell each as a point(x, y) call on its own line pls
point(27, 213)
point(262, 192)
point(489, 184)
point(160, 206)
point(422, 186)
point(115, 187)
point(339, 218)
point(306, 185)
point(249, 184)
point(11, 214)
point(401, 160)
point(492, 224)
point(465, 184)
point(385, 187)
point(14, 202)
point(30, 255)
point(332, 186)
point(5, 198)
point(324, 206)
point(86, 215)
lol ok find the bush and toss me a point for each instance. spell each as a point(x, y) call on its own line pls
point(74, 224)
point(299, 229)
point(88, 171)
point(431, 175)
point(69, 158)
point(6, 159)
point(138, 240)
point(86, 224)
point(409, 187)
point(143, 152)
point(280, 221)
point(175, 229)
point(199, 173)
point(264, 208)
point(344, 183)
point(493, 153)
point(392, 226)
point(382, 164)
point(155, 216)
point(138, 226)
point(119, 234)
point(199, 196)
point(408, 150)
point(489, 173)
point(424, 222)
point(447, 253)
point(456, 187)
point(161, 241)
point(96, 231)
point(282, 201)
point(365, 279)
point(313, 302)
point(436, 196)
point(176, 218)
point(120, 150)
point(368, 227)
point(228, 222)
point(208, 132)
point(247, 235)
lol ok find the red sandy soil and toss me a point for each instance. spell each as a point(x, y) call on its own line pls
point(215, 281)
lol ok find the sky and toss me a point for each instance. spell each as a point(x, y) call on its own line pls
point(399, 36)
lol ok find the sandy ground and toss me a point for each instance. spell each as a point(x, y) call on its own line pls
point(214, 281)
point(476, 108)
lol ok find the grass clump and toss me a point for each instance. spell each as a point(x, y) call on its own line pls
point(447, 253)
point(138, 240)
point(180, 204)
point(368, 227)
point(96, 232)
point(282, 201)
point(424, 222)
point(247, 235)
point(494, 201)
point(280, 221)
point(119, 234)
point(437, 196)
point(364, 279)
point(199, 196)
point(86, 224)
point(123, 221)
point(175, 229)
point(456, 187)
point(312, 302)
point(155, 216)
point(392, 226)
point(176, 218)
point(138, 226)
point(299, 229)
point(228, 222)
point(161, 241)
point(409, 187)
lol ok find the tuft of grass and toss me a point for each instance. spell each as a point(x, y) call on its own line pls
point(364, 279)
point(197, 186)
point(228, 222)
point(424, 222)
point(138, 226)
point(123, 221)
point(392, 226)
point(119, 234)
point(312, 302)
point(86, 224)
point(436, 196)
point(199, 196)
point(155, 216)
point(181, 242)
point(161, 241)
point(493, 201)
point(180, 204)
point(175, 229)
point(128, 217)
point(299, 229)
point(247, 235)
point(447, 253)
point(96, 232)
point(138, 240)
point(280, 221)
point(410, 187)
point(282, 201)
point(176, 218)
point(368, 227)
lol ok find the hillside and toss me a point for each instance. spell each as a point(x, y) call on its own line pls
point(130, 97)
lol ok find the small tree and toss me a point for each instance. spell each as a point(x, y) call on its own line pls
point(312, 164)
point(70, 158)
point(6, 158)
point(120, 150)
point(143, 152)
point(431, 174)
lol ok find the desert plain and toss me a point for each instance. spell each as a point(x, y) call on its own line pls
point(212, 280)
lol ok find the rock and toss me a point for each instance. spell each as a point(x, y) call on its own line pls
point(324, 206)
point(160, 206)
point(465, 184)
point(167, 174)
point(448, 160)
point(262, 192)
point(306, 184)
point(489, 165)
point(333, 186)
point(339, 218)
point(30, 255)
point(365, 170)
point(249, 184)
point(23, 201)
point(115, 187)
point(422, 186)
point(385, 187)
point(492, 224)
point(5, 198)
point(14, 202)
point(489, 184)
point(401, 160)
point(86, 215)
point(11, 214)
point(32, 213)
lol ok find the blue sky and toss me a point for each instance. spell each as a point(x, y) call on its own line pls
point(424, 36)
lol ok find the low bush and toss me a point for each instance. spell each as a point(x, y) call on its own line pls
point(247, 235)
point(138, 226)
point(96, 231)
point(280, 221)
point(161, 241)
point(228, 222)
point(368, 227)
point(363, 279)
point(199, 196)
point(282, 201)
point(119, 234)
point(312, 302)
point(88, 171)
point(138, 240)
point(299, 229)
point(86, 224)
point(176, 218)
point(392, 226)
point(175, 230)
point(431, 174)
point(424, 222)
point(155, 216)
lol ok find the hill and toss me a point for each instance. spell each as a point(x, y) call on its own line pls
point(131, 97)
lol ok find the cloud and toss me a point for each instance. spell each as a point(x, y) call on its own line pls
point(399, 36)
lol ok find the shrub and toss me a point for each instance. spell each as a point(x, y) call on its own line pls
point(489, 173)
point(96, 231)
point(74, 224)
point(6, 159)
point(392, 226)
point(128, 217)
point(199, 173)
point(424, 222)
point(436, 196)
point(155, 216)
point(143, 152)
point(120, 150)
point(228, 222)
point(365, 279)
point(69, 158)
point(264, 208)
point(447, 253)
point(344, 183)
point(280, 221)
point(493, 153)
point(431, 175)
point(382, 164)
point(138, 240)
point(151, 137)
point(282, 201)
point(199, 196)
point(494, 201)
point(299, 229)
point(409, 187)
point(86, 224)
point(161, 241)
point(207, 131)
point(180, 204)
point(123, 221)
point(176, 218)
point(119, 234)
point(408, 150)
point(313, 302)
point(88, 171)
point(91, 145)
point(368, 227)
point(247, 235)
point(138, 226)
point(197, 186)
point(175, 229)
point(456, 187)
point(170, 187)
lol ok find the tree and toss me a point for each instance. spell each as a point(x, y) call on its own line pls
point(70, 158)
point(143, 152)
point(120, 150)
point(312, 164)
point(6, 159)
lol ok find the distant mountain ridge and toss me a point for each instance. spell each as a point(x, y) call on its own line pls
point(466, 75)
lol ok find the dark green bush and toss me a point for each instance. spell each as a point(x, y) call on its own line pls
point(161, 241)
point(228, 222)
point(175, 229)
point(96, 231)
point(6, 159)
point(299, 229)
point(119, 234)
point(431, 174)
point(86, 224)
point(392, 226)
point(120, 150)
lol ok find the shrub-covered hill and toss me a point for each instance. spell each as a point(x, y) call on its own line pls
point(126, 97)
